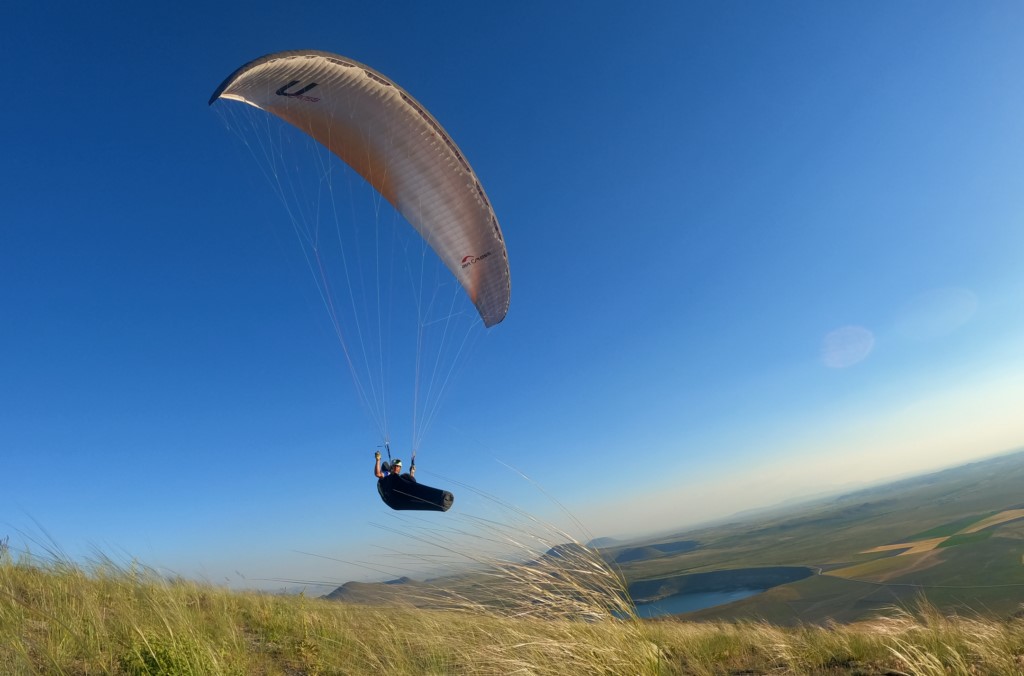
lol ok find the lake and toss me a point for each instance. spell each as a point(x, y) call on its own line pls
point(685, 603)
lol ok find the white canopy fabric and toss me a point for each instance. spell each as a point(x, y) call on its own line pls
point(386, 136)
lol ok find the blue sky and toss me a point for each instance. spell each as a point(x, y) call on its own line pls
point(758, 250)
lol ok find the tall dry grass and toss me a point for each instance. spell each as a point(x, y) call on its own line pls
point(537, 616)
point(57, 617)
point(921, 641)
point(528, 599)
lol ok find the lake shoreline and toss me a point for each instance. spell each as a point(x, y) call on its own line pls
point(718, 581)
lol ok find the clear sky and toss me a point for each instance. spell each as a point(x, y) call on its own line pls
point(758, 250)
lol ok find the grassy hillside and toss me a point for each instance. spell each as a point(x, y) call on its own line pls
point(954, 538)
point(925, 576)
point(56, 618)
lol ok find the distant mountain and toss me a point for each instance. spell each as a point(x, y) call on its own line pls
point(567, 551)
point(973, 471)
point(651, 551)
point(602, 543)
point(375, 592)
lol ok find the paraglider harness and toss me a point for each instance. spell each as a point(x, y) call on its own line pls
point(403, 492)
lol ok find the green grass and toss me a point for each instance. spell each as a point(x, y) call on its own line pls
point(951, 528)
point(965, 538)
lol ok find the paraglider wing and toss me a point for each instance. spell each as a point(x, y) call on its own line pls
point(398, 147)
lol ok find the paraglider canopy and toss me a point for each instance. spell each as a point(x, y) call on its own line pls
point(390, 139)
point(395, 307)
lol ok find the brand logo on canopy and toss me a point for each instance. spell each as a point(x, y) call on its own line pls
point(471, 260)
point(283, 91)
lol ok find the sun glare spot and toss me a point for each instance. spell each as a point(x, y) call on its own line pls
point(846, 346)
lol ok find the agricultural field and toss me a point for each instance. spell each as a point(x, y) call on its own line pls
point(954, 538)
